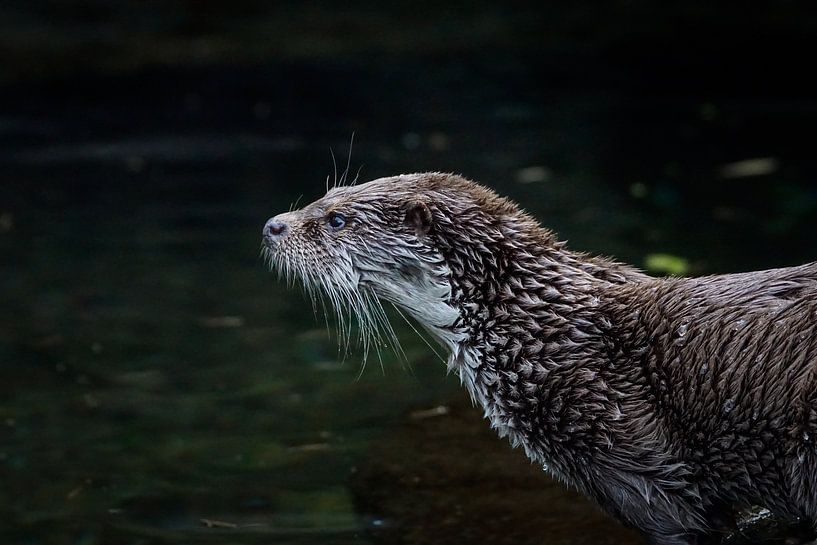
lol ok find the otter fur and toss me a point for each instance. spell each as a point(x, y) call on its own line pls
point(667, 400)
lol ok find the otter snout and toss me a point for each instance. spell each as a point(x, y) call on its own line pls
point(275, 229)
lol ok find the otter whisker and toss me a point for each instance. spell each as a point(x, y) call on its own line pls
point(384, 328)
point(357, 175)
point(343, 176)
point(377, 326)
point(264, 254)
point(343, 312)
point(324, 311)
point(362, 312)
point(314, 295)
point(346, 311)
point(417, 331)
point(345, 304)
point(338, 308)
point(364, 337)
point(330, 294)
point(349, 317)
point(294, 205)
point(334, 168)
point(328, 307)
point(348, 305)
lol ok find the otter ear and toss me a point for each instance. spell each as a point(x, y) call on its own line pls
point(418, 217)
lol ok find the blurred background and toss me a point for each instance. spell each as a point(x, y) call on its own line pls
point(157, 385)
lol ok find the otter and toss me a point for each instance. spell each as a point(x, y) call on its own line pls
point(666, 400)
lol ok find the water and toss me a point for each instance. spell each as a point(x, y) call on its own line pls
point(157, 385)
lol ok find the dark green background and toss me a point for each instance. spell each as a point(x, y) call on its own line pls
point(153, 374)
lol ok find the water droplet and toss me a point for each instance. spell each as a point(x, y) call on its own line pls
point(703, 370)
point(728, 405)
point(682, 330)
point(545, 467)
point(739, 324)
point(806, 437)
point(801, 456)
point(755, 415)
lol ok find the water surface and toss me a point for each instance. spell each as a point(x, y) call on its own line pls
point(157, 385)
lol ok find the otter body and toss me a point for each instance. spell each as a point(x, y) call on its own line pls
point(666, 400)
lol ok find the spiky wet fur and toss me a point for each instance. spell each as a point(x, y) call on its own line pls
point(666, 400)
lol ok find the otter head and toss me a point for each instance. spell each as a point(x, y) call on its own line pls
point(378, 241)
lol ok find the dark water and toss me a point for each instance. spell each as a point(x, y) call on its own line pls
point(158, 386)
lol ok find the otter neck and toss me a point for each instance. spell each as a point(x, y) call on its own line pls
point(527, 307)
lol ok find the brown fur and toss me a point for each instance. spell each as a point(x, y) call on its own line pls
point(663, 399)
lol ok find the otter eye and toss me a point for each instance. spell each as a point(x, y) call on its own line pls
point(336, 220)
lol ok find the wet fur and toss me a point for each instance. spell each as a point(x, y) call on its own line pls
point(663, 399)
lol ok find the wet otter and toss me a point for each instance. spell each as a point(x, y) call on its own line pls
point(663, 399)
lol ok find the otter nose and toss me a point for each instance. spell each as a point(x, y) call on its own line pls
point(275, 229)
